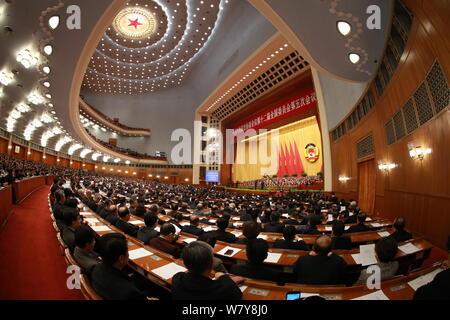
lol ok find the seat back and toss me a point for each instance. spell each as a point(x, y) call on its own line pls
point(87, 290)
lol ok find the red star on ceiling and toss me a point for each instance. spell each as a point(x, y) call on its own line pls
point(134, 23)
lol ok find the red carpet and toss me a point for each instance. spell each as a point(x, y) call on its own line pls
point(31, 266)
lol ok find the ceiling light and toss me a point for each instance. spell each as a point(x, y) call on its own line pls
point(48, 49)
point(22, 107)
point(46, 69)
point(46, 84)
point(53, 22)
point(35, 98)
point(354, 58)
point(344, 28)
point(26, 58)
point(6, 78)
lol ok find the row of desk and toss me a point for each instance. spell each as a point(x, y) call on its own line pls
point(160, 268)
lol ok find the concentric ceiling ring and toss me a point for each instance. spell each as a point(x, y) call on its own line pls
point(135, 23)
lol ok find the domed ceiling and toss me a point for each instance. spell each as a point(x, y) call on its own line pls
point(150, 45)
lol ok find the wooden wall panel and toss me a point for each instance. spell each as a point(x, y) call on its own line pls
point(419, 190)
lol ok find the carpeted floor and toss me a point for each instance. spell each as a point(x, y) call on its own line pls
point(31, 266)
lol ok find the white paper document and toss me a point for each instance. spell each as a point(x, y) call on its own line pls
point(207, 229)
point(231, 251)
point(346, 228)
point(328, 228)
point(384, 234)
point(377, 295)
point(376, 225)
point(237, 234)
point(273, 257)
point(169, 270)
point(189, 240)
point(263, 236)
point(423, 280)
point(86, 213)
point(409, 248)
point(364, 259)
point(137, 222)
point(243, 288)
point(139, 253)
point(91, 220)
point(368, 219)
point(100, 228)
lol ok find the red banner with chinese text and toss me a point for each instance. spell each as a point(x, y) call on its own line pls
point(302, 102)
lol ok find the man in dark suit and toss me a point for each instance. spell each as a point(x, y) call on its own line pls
point(257, 251)
point(166, 242)
point(439, 288)
point(111, 215)
point(108, 278)
point(321, 266)
point(57, 208)
point(288, 241)
point(124, 225)
point(311, 226)
point(193, 227)
point(400, 235)
point(340, 242)
point(274, 225)
point(71, 218)
point(360, 227)
point(173, 210)
point(221, 234)
point(197, 283)
point(251, 230)
point(145, 234)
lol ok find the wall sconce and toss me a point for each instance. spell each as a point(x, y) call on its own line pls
point(418, 153)
point(387, 166)
point(344, 179)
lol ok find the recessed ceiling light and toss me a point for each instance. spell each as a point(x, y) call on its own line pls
point(354, 58)
point(48, 49)
point(53, 22)
point(344, 27)
point(46, 69)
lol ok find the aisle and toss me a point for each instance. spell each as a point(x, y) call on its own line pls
point(30, 263)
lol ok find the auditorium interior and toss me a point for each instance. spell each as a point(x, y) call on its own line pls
point(224, 150)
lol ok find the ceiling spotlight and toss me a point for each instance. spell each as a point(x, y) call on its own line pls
point(354, 58)
point(26, 58)
point(46, 84)
point(48, 49)
point(53, 22)
point(344, 28)
point(46, 69)
point(48, 95)
point(6, 78)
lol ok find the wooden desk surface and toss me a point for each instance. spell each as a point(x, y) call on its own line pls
point(395, 289)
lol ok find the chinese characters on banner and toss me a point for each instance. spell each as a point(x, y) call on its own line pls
point(300, 103)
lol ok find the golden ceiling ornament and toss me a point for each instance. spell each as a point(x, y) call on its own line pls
point(135, 23)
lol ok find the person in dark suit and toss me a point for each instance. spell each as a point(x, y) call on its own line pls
point(124, 225)
point(177, 220)
point(360, 227)
point(193, 227)
point(84, 253)
point(145, 234)
point(400, 235)
point(112, 216)
point(257, 251)
point(274, 225)
point(439, 288)
point(338, 240)
point(108, 279)
point(196, 284)
point(210, 239)
point(173, 210)
point(311, 226)
point(221, 234)
point(166, 242)
point(351, 216)
point(140, 211)
point(251, 231)
point(321, 266)
point(72, 221)
point(58, 207)
point(288, 241)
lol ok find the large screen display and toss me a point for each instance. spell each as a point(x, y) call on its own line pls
point(212, 176)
